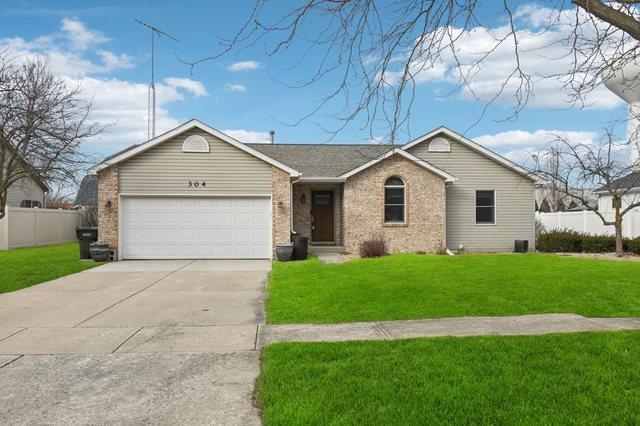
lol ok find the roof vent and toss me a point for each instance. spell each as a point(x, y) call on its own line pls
point(439, 144)
point(195, 143)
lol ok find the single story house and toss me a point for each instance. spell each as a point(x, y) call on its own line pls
point(195, 192)
point(628, 185)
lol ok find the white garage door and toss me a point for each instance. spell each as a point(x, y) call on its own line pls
point(196, 228)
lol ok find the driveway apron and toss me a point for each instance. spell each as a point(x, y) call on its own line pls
point(134, 342)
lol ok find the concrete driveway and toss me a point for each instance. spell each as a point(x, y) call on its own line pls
point(132, 342)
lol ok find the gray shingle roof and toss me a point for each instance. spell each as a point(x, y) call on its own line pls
point(313, 160)
point(88, 192)
point(632, 180)
point(322, 160)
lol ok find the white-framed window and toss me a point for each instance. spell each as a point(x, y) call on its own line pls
point(439, 144)
point(394, 200)
point(485, 207)
point(31, 204)
point(195, 143)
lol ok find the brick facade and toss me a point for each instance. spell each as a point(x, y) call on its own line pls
point(425, 200)
point(108, 188)
point(302, 212)
point(281, 207)
point(359, 207)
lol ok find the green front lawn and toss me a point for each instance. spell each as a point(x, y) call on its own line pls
point(414, 286)
point(589, 378)
point(20, 268)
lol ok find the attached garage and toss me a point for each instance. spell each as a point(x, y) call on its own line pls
point(196, 227)
point(194, 193)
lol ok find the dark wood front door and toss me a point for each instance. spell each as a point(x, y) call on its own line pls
point(322, 216)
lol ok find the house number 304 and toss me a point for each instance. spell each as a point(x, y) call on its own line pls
point(195, 184)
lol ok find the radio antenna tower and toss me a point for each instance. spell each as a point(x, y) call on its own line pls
point(151, 106)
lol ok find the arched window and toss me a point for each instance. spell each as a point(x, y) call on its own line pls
point(439, 144)
point(195, 143)
point(394, 203)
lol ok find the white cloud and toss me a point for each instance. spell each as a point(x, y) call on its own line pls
point(542, 53)
point(237, 88)
point(244, 66)
point(519, 145)
point(69, 52)
point(249, 136)
point(80, 37)
point(112, 62)
point(119, 103)
point(193, 86)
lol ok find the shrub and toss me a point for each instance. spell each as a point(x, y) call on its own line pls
point(576, 242)
point(634, 245)
point(598, 244)
point(375, 246)
point(539, 229)
point(560, 241)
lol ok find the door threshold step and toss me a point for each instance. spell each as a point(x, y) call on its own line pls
point(326, 249)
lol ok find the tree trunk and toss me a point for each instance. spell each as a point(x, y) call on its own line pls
point(619, 239)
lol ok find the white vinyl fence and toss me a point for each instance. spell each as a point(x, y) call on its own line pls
point(588, 222)
point(24, 227)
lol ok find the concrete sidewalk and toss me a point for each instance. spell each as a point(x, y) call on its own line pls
point(463, 326)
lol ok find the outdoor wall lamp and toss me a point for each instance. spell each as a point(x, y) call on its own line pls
point(107, 205)
point(303, 199)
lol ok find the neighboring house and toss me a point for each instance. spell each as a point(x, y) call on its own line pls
point(630, 182)
point(87, 192)
point(195, 192)
point(545, 198)
point(29, 192)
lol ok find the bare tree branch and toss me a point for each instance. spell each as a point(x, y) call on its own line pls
point(576, 169)
point(372, 54)
point(42, 125)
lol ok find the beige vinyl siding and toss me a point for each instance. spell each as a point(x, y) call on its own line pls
point(26, 189)
point(165, 169)
point(515, 216)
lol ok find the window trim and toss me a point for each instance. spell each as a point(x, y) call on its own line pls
point(495, 207)
point(404, 201)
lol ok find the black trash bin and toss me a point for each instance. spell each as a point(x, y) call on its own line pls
point(300, 248)
point(86, 236)
point(521, 246)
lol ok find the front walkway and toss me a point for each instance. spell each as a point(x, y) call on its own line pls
point(463, 326)
point(170, 342)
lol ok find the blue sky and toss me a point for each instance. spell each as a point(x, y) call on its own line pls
point(98, 45)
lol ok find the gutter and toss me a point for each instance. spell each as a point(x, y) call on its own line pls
point(322, 179)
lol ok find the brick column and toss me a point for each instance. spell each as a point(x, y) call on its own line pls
point(281, 207)
point(108, 189)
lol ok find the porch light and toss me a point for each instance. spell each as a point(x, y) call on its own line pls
point(303, 199)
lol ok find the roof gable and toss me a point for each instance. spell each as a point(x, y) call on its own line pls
point(398, 151)
point(138, 149)
point(474, 146)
